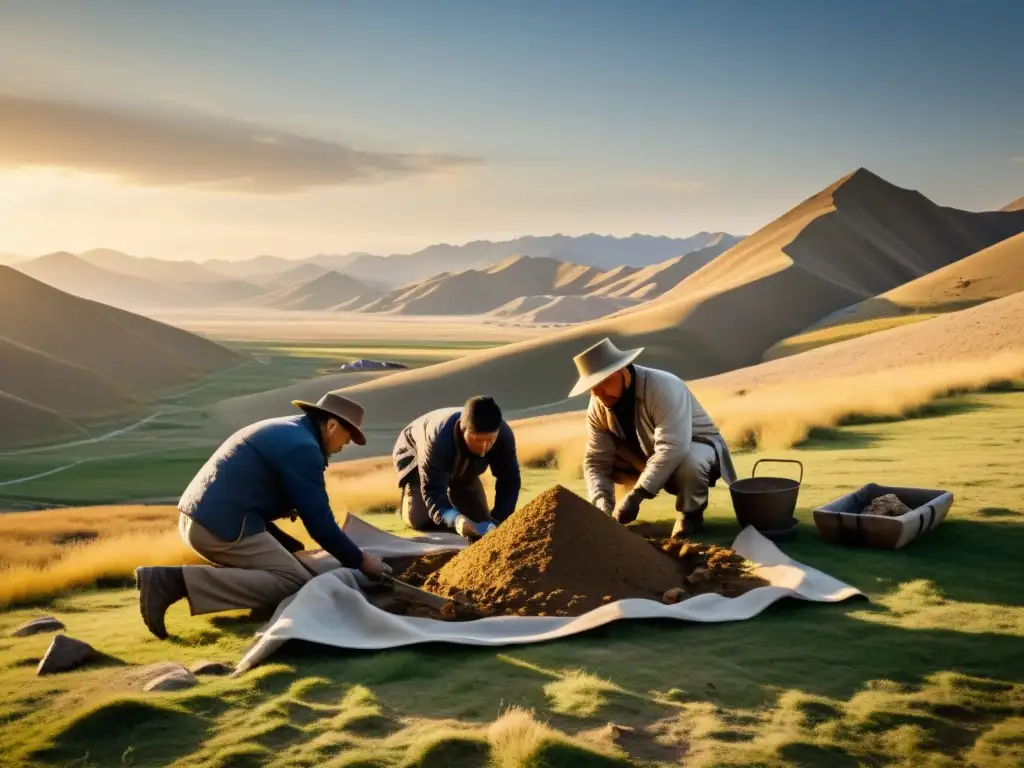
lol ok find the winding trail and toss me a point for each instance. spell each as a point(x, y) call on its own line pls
point(86, 441)
point(47, 473)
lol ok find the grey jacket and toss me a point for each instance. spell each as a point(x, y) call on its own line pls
point(668, 419)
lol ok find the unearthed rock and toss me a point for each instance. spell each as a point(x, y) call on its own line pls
point(710, 568)
point(176, 680)
point(64, 654)
point(557, 556)
point(888, 505)
point(211, 668)
point(38, 626)
point(674, 595)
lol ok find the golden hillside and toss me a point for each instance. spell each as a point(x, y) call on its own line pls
point(989, 274)
point(980, 332)
point(859, 237)
point(87, 360)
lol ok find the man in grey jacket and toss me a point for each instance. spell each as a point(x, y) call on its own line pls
point(645, 425)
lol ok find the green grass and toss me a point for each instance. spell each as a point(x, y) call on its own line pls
point(929, 672)
point(156, 460)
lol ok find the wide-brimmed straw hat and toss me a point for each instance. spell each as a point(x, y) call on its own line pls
point(349, 412)
point(599, 362)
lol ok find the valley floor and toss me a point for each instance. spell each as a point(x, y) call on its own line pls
point(928, 672)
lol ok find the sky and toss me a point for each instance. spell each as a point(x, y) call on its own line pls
point(228, 129)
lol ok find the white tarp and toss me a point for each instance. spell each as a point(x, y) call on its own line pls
point(331, 610)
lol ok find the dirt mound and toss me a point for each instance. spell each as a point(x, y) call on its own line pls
point(561, 556)
point(556, 556)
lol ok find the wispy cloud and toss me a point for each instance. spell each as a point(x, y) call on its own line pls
point(160, 148)
point(1019, 159)
point(671, 186)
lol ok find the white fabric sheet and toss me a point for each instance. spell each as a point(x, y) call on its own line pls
point(331, 610)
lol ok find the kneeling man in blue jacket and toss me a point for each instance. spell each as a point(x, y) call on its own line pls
point(264, 472)
point(439, 459)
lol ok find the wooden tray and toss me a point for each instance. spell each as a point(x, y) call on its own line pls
point(841, 521)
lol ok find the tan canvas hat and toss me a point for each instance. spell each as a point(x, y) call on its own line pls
point(348, 411)
point(599, 362)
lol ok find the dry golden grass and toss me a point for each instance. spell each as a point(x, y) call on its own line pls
point(112, 558)
point(35, 566)
point(781, 416)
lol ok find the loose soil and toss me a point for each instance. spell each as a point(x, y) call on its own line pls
point(561, 556)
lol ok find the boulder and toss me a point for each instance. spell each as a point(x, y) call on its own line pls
point(64, 654)
point(176, 680)
point(211, 668)
point(38, 626)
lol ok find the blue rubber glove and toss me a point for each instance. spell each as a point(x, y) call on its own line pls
point(487, 527)
point(449, 516)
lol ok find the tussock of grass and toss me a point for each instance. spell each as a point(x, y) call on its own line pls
point(579, 693)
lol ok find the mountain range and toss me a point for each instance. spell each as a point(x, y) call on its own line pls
point(859, 237)
point(138, 283)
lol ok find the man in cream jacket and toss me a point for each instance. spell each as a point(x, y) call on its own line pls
point(645, 425)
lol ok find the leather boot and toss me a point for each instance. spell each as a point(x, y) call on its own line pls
point(689, 526)
point(159, 589)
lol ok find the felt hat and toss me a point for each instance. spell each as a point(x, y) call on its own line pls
point(349, 412)
point(600, 361)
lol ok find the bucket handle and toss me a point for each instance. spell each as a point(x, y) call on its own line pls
point(787, 461)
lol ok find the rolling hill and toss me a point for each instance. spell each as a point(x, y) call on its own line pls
point(192, 284)
point(560, 309)
point(476, 291)
point(82, 360)
point(74, 275)
point(969, 334)
point(1016, 205)
point(532, 283)
point(989, 274)
point(599, 251)
point(303, 273)
point(324, 292)
point(131, 282)
point(859, 237)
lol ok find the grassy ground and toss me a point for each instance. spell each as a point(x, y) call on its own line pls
point(930, 672)
point(156, 460)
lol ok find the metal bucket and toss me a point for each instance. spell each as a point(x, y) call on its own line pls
point(767, 503)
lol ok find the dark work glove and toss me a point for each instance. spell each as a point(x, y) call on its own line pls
point(627, 509)
point(290, 543)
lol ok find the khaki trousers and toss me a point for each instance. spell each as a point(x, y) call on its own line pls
point(468, 497)
point(689, 482)
point(255, 572)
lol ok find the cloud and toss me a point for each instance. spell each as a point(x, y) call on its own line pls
point(1017, 159)
point(159, 149)
point(671, 186)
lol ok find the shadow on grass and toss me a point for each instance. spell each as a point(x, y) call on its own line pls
point(157, 733)
point(836, 439)
point(967, 560)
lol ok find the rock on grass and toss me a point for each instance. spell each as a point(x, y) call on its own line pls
point(64, 654)
point(38, 626)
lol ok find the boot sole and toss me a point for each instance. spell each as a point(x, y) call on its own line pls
point(142, 583)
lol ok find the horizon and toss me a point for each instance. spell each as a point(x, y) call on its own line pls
point(247, 129)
